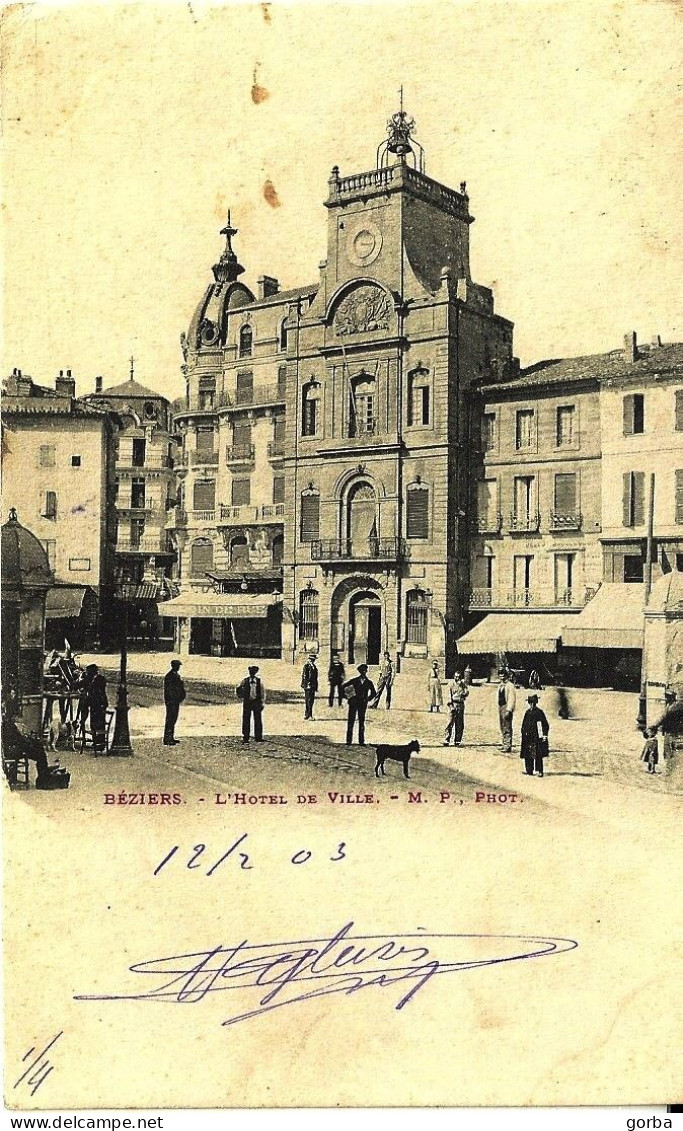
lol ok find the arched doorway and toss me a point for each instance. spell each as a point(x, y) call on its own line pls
point(361, 520)
point(365, 628)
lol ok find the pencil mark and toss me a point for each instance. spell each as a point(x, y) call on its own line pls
point(343, 963)
point(39, 1068)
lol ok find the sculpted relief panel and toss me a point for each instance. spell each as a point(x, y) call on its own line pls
point(364, 310)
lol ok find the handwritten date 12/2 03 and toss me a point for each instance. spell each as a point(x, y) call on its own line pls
point(199, 857)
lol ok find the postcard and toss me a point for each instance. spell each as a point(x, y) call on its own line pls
point(342, 555)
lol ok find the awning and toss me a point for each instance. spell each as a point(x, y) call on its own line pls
point(65, 602)
point(612, 619)
point(512, 632)
point(234, 606)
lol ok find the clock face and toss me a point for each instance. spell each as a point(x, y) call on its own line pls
point(364, 244)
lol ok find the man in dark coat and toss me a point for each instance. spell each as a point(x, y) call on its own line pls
point(336, 675)
point(535, 728)
point(17, 743)
point(174, 693)
point(309, 682)
point(97, 703)
point(253, 695)
point(359, 692)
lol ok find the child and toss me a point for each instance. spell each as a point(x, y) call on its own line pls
point(651, 751)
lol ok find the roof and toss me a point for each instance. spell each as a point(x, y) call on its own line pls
point(512, 632)
point(285, 296)
point(129, 389)
point(652, 360)
point(612, 619)
point(24, 561)
point(50, 406)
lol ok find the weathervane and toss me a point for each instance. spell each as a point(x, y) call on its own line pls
point(400, 140)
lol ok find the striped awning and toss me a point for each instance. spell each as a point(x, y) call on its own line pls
point(65, 602)
point(612, 619)
point(512, 632)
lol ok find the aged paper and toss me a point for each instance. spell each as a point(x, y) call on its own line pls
point(214, 924)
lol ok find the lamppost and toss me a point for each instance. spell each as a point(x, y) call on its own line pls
point(121, 745)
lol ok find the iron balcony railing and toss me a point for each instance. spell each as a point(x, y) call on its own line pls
point(276, 449)
point(203, 459)
point(525, 522)
point(572, 521)
point(545, 597)
point(147, 544)
point(257, 395)
point(365, 549)
point(240, 453)
point(488, 523)
point(236, 515)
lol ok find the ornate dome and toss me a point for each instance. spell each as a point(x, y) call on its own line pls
point(24, 561)
point(209, 322)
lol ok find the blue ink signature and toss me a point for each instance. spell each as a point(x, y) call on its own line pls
point(39, 1068)
point(299, 970)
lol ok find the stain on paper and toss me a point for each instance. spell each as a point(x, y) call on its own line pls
point(271, 195)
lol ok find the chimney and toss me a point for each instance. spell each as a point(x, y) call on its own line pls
point(267, 286)
point(98, 384)
point(65, 386)
point(656, 342)
point(630, 346)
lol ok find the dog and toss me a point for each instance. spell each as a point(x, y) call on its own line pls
point(396, 754)
point(61, 736)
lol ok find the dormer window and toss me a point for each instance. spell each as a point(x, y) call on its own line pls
point(246, 341)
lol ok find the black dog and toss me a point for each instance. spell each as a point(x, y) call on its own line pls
point(396, 754)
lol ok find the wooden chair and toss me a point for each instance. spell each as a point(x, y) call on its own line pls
point(86, 738)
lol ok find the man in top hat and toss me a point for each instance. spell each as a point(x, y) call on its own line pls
point(359, 692)
point(534, 746)
point(97, 703)
point(253, 695)
point(174, 693)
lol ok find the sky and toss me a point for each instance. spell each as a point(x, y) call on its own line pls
point(128, 131)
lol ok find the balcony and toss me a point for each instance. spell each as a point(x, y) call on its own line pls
point(240, 454)
point(527, 522)
point(488, 524)
point(176, 517)
point(368, 550)
point(195, 518)
point(566, 521)
point(258, 395)
point(541, 597)
point(276, 451)
point(243, 515)
point(203, 459)
point(146, 544)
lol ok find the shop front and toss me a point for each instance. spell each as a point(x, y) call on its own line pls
point(227, 624)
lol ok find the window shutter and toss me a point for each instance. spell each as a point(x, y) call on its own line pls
point(241, 434)
point(679, 410)
point(310, 517)
point(278, 488)
point(425, 404)
point(202, 558)
point(629, 402)
point(205, 437)
point(679, 496)
point(279, 435)
point(241, 492)
point(204, 495)
point(417, 516)
point(638, 498)
point(627, 497)
point(282, 381)
point(565, 494)
point(245, 388)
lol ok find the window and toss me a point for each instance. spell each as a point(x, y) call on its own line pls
point(565, 497)
point(633, 498)
point(679, 410)
point(241, 439)
point(416, 617)
point(246, 341)
point(524, 428)
point(149, 411)
point(633, 568)
point(137, 493)
point(278, 488)
point(278, 546)
point(241, 492)
point(201, 559)
point(79, 565)
point(50, 505)
point(137, 532)
point(282, 382)
point(46, 455)
point(679, 563)
point(207, 393)
point(564, 578)
point(487, 505)
point(205, 441)
point(279, 436)
point(309, 413)
point(564, 425)
point(75, 461)
point(139, 452)
point(679, 496)
point(525, 517)
point(489, 562)
point(50, 547)
point(362, 406)
point(417, 511)
point(488, 431)
point(283, 334)
point(308, 615)
point(204, 495)
point(310, 516)
point(419, 391)
point(634, 414)
point(239, 552)
point(245, 388)
point(523, 570)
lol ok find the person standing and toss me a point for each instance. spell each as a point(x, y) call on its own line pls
point(309, 682)
point(456, 702)
point(359, 692)
point(386, 680)
point(534, 746)
point(336, 676)
point(174, 693)
point(650, 753)
point(507, 701)
point(434, 689)
point(253, 695)
point(97, 704)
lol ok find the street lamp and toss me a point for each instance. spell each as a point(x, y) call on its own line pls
point(121, 746)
